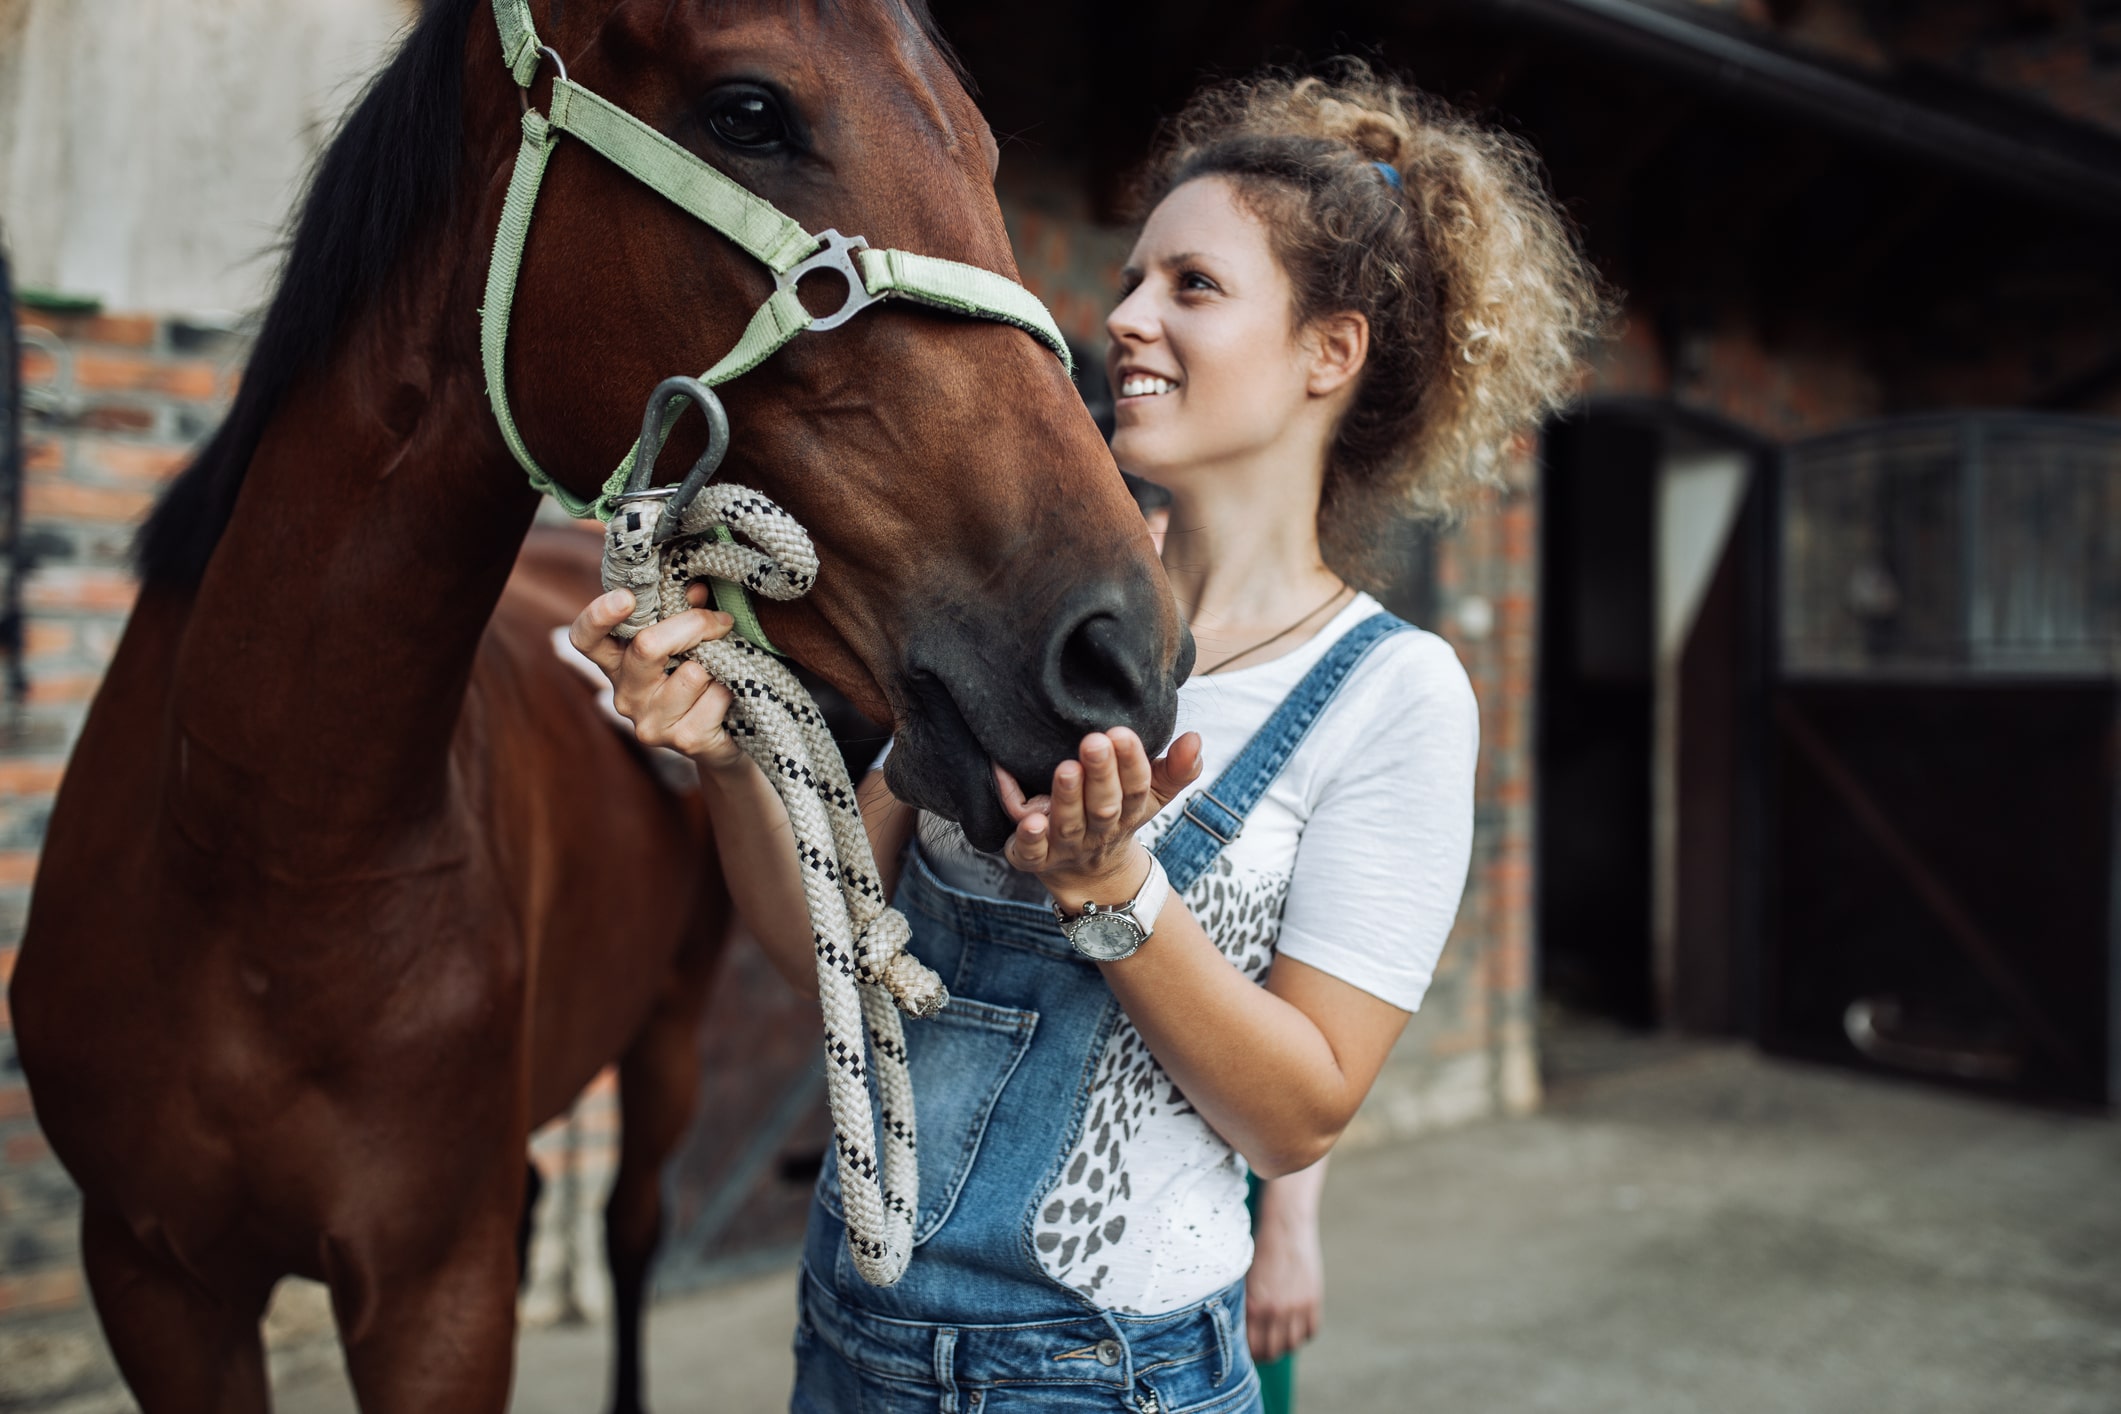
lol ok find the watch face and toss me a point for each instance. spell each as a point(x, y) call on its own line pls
point(1106, 937)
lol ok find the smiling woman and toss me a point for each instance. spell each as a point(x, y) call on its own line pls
point(1343, 303)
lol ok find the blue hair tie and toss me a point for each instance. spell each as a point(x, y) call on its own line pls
point(1391, 173)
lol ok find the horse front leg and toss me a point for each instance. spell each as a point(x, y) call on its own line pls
point(659, 1082)
point(438, 1337)
point(182, 1348)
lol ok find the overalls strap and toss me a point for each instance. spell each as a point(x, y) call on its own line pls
point(1216, 816)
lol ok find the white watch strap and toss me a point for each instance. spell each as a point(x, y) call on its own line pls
point(1149, 900)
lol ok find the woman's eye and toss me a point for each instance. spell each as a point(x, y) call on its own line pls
point(1194, 281)
point(747, 118)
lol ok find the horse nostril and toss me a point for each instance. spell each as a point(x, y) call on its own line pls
point(1097, 672)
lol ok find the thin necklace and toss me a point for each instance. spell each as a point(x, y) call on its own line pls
point(1278, 637)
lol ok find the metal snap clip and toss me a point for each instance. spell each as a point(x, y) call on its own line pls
point(835, 252)
point(1109, 1351)
point(670, 394)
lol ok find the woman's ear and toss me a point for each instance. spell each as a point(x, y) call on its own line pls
point(1339, 346)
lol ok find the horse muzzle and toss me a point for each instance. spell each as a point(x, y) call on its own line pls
point(980, 693)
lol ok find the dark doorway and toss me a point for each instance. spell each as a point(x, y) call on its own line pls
point(1651, 642)
point(1596, 708)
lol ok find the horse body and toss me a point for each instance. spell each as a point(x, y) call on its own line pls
point(348, 885)
point(274, 1033)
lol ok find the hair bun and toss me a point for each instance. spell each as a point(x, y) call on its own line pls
point(1381, 137)
point(1351, 105)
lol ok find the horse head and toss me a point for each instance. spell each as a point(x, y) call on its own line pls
point(987, 583)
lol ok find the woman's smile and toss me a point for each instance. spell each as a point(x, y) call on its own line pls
point(1136, 385)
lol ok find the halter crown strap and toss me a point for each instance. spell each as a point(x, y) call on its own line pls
point(755, 225)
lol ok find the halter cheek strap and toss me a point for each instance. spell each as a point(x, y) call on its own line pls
point(770, 236)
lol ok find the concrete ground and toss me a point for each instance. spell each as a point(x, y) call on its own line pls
point(1684, 1228)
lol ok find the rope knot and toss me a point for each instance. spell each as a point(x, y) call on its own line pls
point(780, 561)
point(881, 960)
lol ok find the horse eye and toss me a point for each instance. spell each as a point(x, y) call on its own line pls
point(747, 118)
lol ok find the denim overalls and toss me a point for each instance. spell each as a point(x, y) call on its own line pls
point(1002, 1079)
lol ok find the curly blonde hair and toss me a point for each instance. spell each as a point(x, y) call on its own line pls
point(1479, 299)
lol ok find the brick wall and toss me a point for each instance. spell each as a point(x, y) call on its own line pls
point(1069, 260)
point(1472, 1050)
point(112, 405)
point(1793, 387)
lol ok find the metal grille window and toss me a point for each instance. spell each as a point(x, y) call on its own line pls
point(1980, 544)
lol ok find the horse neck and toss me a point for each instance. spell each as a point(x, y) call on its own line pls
point(324, 666)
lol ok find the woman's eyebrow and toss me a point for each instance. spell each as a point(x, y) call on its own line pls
point(1180, 259)
point(1172, 261)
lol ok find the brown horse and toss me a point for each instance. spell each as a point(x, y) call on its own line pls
point(347, 888)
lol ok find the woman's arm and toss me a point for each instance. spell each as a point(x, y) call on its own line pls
point(1279, 1070)
point(1285, 1292)
point(685, 710)
point(756, 845)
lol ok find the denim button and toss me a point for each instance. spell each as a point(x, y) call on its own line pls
point(1109, 1351)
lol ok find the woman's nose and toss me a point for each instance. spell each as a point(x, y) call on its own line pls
point(1132, 321)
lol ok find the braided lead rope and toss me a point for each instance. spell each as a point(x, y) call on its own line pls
point(865, 975)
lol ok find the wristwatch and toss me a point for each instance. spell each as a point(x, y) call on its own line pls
point(1107, 934)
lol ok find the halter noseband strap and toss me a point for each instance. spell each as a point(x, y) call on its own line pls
point(762, 230)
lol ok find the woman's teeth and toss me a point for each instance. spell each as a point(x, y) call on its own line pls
point(1145, 386)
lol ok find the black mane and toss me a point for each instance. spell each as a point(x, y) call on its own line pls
point(389, 174)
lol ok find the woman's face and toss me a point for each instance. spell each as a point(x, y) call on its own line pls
point(1206, 365)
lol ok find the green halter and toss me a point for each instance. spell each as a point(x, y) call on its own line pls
point(773, 238)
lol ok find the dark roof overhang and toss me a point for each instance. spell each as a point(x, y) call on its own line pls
point(1942, 120)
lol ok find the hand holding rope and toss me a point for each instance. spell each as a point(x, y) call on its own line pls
point(658, 544)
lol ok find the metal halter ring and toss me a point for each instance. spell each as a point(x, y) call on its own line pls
point(835, 252)
point(523, 93)
point(655, 423)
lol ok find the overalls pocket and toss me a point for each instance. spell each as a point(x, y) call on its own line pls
point(959, 1060)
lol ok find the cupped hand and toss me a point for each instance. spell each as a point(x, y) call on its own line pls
point(682, 707)
point(1079, 839)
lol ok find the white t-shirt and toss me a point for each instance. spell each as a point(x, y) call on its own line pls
point(1353, 862)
